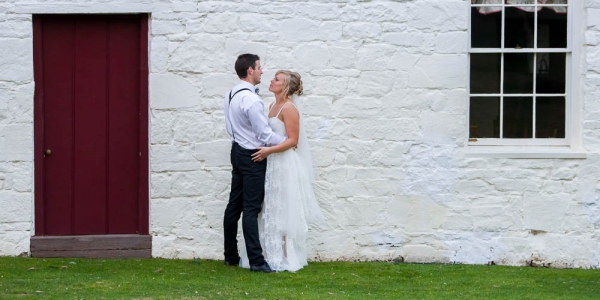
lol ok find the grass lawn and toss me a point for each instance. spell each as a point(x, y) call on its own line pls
point(34, 278)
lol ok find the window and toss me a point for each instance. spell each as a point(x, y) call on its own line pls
point(520, 62)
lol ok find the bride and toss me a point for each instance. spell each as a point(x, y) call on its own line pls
point(290, 205)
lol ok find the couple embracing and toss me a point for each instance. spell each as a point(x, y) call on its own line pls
point(274, 196)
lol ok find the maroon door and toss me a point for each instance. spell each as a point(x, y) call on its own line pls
point(91, 124)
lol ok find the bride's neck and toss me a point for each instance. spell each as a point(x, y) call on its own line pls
point(280, 98)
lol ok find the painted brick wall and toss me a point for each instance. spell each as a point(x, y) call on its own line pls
point(386, 105)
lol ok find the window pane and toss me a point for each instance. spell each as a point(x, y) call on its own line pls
point(552, 27)
point(519, 28)
point(518, 73)
point(485, 73)
point(484, 117)
point(486, 23)
point(550, 117)
point(550, 77)
point(518, 117)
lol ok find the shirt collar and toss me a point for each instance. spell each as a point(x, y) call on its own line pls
point(246, 84)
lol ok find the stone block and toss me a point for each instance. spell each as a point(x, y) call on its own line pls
point(16, 207)
point(192, 184)
point(593, 18)
point(373, 83)
point(167, 214)
point(452, 43)
point(330, 86)
point(366, 61)
point(335, 244)
point(218, 85)
point(185, 6)
point(172, 91)
point(173, 158)
point(194, 127)
point(21, 180)
point(545, 212)
point(16, 142)
point(321, 11)
point(256, 22)
point(167, 27)
point(314, 105)
point(592, 38)
point(385, 129)
point(415, 214)
point(362, 30)
point(375, 12)
point(160, 185)
point(17, 60)
point(235, 47)
point(161, 126)
point(442, 128)
point(402, 61)
point(4, 99)
point(213, 153)
point(563, 174)
point(342, 57)
point(304, 30)
point(311, 56)
point(15, 243)
point(16, 29)
point(440, 16)
point(424, 253)
point(221, 23)
point(419, 40)
point(188, 55)
point(439, 71)
point(159, 54)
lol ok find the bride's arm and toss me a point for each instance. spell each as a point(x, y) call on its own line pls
point(291, 119)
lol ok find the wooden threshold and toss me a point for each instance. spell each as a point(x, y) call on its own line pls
point(92, 246)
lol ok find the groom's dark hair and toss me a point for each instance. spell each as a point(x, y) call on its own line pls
point(243, 62)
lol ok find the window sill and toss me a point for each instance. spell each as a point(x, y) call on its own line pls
point(524, 152)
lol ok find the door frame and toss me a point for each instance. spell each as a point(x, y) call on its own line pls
point(130, 245)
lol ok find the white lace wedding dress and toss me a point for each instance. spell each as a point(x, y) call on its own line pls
point(288, 210)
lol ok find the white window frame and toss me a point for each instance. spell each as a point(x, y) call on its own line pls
point(571, 145)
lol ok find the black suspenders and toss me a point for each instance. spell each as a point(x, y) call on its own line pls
point(228, 107)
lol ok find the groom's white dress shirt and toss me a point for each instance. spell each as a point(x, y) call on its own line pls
point(245, 119)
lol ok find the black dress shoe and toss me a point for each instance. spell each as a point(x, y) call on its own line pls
point(264, 268)
point(232, 262)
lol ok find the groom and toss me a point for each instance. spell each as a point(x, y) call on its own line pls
point(248, 128)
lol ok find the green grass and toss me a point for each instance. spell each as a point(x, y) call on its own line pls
point(31, 278)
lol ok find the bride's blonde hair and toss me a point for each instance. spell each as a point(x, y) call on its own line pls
point(292, 83)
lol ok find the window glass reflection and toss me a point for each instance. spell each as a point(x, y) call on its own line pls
point(550, 117)
point(519, 28)
point(518, 73)
point(552, 27)
point(550, 73)
point(484, 117)
point(485, 73)
point(518, 117)
point(486, 27)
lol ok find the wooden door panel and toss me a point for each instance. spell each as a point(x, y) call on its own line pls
point(58, 49)
point(123, 127)
point(90, 127)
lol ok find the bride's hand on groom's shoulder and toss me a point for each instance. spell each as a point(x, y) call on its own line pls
point(261, 154)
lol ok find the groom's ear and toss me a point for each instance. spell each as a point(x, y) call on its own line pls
point(249, 71)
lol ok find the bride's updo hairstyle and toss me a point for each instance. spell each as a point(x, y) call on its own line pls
point(292, 84)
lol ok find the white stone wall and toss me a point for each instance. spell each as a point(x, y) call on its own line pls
point(386, 106)
point(16, 131)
